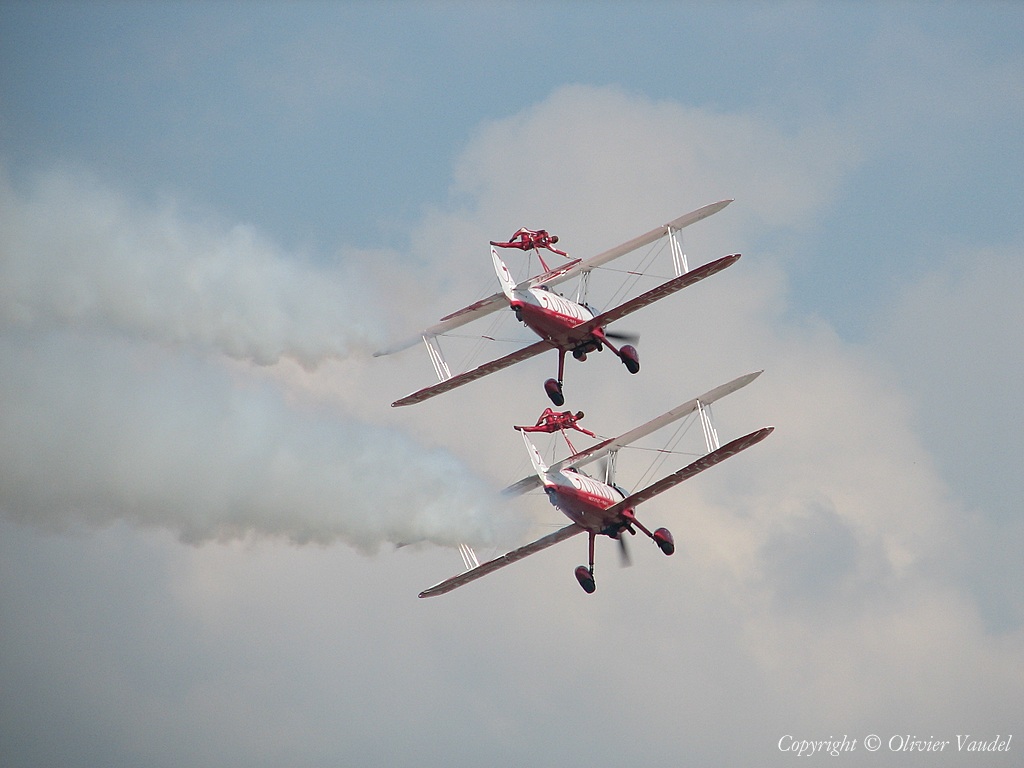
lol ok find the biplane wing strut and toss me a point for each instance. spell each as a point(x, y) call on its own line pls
point(436, 358)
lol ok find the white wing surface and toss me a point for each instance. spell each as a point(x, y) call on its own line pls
point(477, 373)
point(500, 562)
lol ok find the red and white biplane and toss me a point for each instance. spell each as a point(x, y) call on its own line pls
point(566, 325)
point(598, 506)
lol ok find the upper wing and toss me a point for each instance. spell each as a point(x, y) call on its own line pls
point(555, 276)
point(450, 322)
point(500, 562)
point(669, 481)
point(639, 242)
point(604, 447)
point(477, 373)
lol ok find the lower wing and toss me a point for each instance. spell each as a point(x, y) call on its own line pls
point(705, 462)
point(660, 292)
point(500, 562)
point(477, 373)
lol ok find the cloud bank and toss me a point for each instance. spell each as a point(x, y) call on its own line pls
point(129, 338)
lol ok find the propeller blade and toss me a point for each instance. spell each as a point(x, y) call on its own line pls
point(629, 338)
point(624, 558)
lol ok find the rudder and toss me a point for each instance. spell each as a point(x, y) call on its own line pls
point(508, 285)
point(535, 458)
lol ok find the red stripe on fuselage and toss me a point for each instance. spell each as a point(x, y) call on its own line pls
point(585, 501)
point(554, 317)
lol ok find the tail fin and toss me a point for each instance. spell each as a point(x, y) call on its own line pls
point(538, 463)
point(508, 285)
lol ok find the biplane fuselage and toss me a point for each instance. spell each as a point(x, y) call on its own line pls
point(551, 316)
point(566, 325)
point(585, 500)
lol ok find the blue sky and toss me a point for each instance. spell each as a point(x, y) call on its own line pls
point(236, 116)
point(211, 213)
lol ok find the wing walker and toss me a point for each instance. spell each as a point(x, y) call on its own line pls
point(594, 505)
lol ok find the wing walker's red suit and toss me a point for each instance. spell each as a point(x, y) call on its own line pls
point(527, 239)
point(554, 421)
point(531, 238)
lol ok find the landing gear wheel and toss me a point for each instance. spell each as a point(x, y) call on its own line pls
point(554, 389)
point(579, 354)
point(586, 579)
point(664, 540)
point(630, 358)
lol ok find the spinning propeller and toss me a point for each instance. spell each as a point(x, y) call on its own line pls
point(629, 338)
point(605, 472)
point(625, 560)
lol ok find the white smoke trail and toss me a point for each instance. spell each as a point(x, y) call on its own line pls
point(72, 252)
point(98, 422)
point(98, 429)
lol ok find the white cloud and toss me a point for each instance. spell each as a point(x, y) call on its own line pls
point(954, 339)
point(606, 162)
